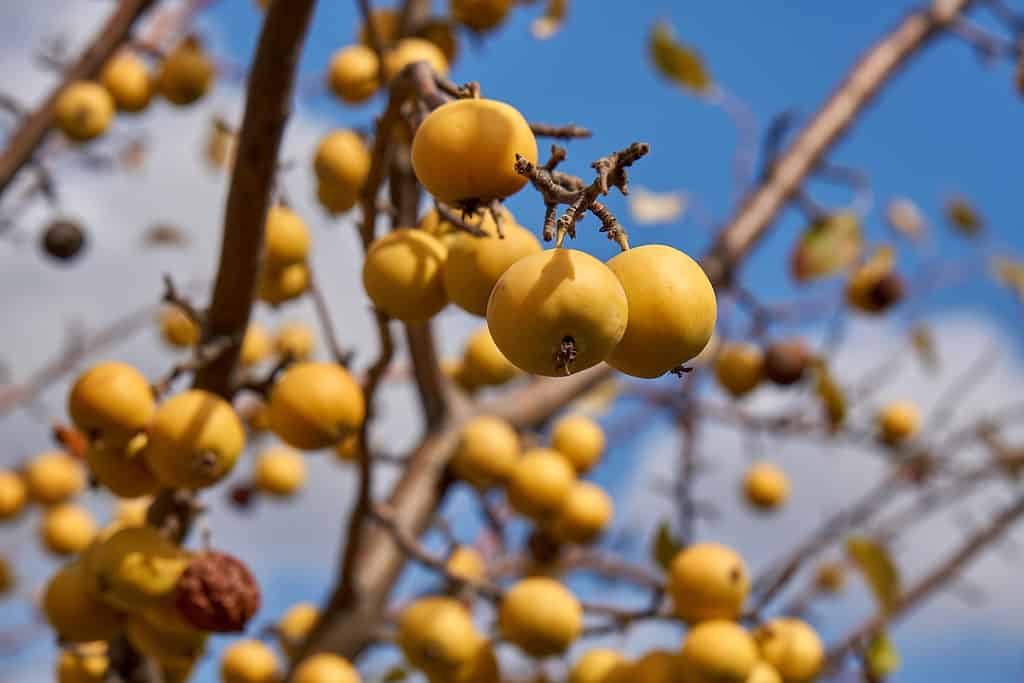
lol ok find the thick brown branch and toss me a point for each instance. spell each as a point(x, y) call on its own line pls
point(26, 139)
point(762, 205)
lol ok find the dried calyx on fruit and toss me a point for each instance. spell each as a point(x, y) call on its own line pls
point(217, 593)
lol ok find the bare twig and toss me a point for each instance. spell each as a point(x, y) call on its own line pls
point(323, 313)
point(566, 132)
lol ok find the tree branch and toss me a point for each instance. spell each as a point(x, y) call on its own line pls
point(26, 139)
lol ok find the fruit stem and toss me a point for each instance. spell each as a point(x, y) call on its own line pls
point(566, 354)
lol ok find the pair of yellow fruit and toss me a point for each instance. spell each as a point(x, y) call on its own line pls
point(252, 661)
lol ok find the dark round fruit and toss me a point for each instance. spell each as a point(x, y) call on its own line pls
point(786, 361)
point(63, 239)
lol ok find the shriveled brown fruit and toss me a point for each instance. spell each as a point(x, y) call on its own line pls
point(217, 593)
point(786, 361)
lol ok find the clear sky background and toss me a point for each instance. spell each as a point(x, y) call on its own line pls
point(946, 124)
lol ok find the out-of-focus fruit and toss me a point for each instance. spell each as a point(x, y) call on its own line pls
point(708, 581)
point(83, 111)
point(539, 483)
point(540, 616)
point(487, 452)
point(315, 405)
point(402, 274)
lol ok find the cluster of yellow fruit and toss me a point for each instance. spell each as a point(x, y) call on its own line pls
point(541, 483)
point(341, 164)
point(284, 274)
point(708, 583)
point(85, 109)
point(550, 312)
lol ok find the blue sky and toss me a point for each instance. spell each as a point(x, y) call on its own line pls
point(945, 124)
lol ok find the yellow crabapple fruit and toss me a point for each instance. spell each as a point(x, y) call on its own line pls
point(464, 152)
point(480, 15)
point(656, 666)
point(134, 568)
point(708, 581)
point(127, 79)
point(186, 74)
point(278, 285)
point(280, 471)
point(83, 111)
point(177, 649)
point(13, 494)
point(342, 162)
point(68, 529)
point(295, 340)
point(718, 651)
point(249, 661)
point(325, 668)
point(437, 635)
point(672, 310)
point(539, 482)
point(256, 345)
point(600, 665)
point(466, 562)
point(580, 440)
point(540, 616)
point(53, 477)
point(177, 328)
point(348, 448)
point(483, 364)
point(83, 663)
point(354, 74)
point(486, 453)
point(402, 274)
point(481, 668)
point(73, 611)
point(898, 421)
point(409, 50)
point(765, 486)
point(286, 240)
point(111, 401)
point(122, 470)
point(295, 625)
point(792, 647)
point(585, 514)
point(739, 367)
point(194, 440)
point(557, 312)
point(315, 405)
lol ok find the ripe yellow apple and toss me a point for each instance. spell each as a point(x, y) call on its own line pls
point(765, 486)
point(134, 569)
point(68, 529)
point(111, 401)
point(186, 74)
point(315, 405)
point(342, 163)
point(286, 240)
point(53, 477)
point(122, 469)
point(739, 367)
point(719, 651)
point(580, 440)
point(127, 79)
point(487, 452)
point(585, 514)
point(177, 328)
point(295, 625)
point(403, 277)
point(898, 421)
point(708, 581)
point(539, 483)
point(437, 635)
point(83, 111)
point(249, 661)
point(540, 616)
point(353, 74)
point(793, 649)
point(280, 471)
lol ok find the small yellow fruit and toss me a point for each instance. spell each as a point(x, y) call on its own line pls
point(483, 364)
point(718, 651)
point(830, 577)
point(466, 562)
point(186, 74)
point(672, 310)
point(585, 514)
point(277, 285)
point(68, 529)
point(176, 649)
point(739, 367)
point(465, 151)
point(280, 471)
point(898, 421)
point(83, 111)
point(482, 668)
point(540, 616)
point(287, 238)
point(480, 15)
point(53, 477)
point(348, 448)
point(127, 80)
point(83, 663)
point(792, 648)
point(295, 625)
point(296, 340)
point(580, 440)
point(708, 581)
point(402, 274)
point(539, 483)
point(342, 163)
point(325, 668)
point(598, 666)
point(487, 452)
point(111, 401)
point(657, 666)
point(437, 635)
point(765, 486)
point(763, 673)
point(387, 23)
point(13, 494)
point(557, 312)
point(335, 199)
point(135, 568)
point(353, 75)
point(194, 440)
point(177, 328)
point(122, 469)
point(256, 345)
point(249, 661)
point(410, 50)
point(315, 405)
point(475, 264)
point(72, 610)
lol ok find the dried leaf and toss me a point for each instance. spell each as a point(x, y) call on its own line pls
point(964, 218)
point(133, 156)
point(677, 62)
point(220, 145)
point(881, 656)
point(165, 235)
point(665, 546)
point(876, 565)
point(395, 674)
point(828, 246)
point(832, 396)
point(1010, 273)
point(548, 25)
point(648, 207)
point(923, 341)
point(905, 218)
point(599, 400)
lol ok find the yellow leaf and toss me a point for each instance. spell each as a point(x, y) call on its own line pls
point(598, 400)
point(655, 207)
point(677, 62)
point(881, 656)
point(832, 397)
point(551, 22)
point(829, 245)
point(1009, 272)
point(924, 346)
point(905, 218)
point(963, 216)
point(878, 569)
point(220, 145)
point(665, 546)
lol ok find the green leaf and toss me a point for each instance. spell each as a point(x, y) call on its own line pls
point(964, 218)
point(831, 394)
point(828, 246)
point(881, 656)
point(665, 547)
point(876, 565)
point(677, 62)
